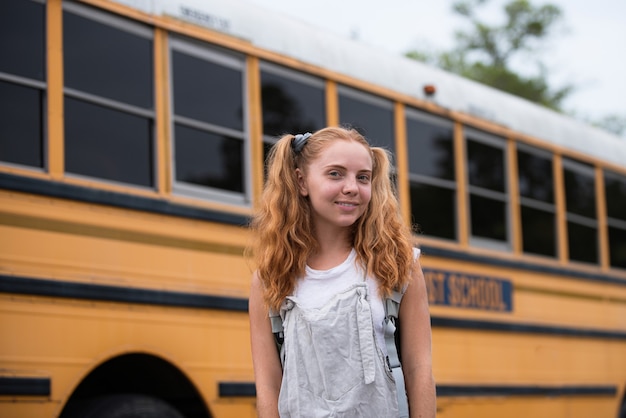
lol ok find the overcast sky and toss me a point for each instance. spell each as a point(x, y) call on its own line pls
point(586, 50)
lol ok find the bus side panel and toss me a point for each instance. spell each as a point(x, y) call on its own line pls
point(61, 244)
point(65, 339)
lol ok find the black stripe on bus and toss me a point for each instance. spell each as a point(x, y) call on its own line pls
point(116, 199)
point(514, 327)
point(163, 207)
point(531, 390)
point(244, 389)
point(89, 291)
point(236, 389)
point(24, 386)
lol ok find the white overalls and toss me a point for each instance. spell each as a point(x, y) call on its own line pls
point(333, 365)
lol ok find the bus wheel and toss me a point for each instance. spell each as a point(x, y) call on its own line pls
point(128, 406)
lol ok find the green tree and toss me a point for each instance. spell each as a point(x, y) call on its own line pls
point(485, 52)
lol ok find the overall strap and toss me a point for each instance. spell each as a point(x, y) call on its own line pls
point(392, 309)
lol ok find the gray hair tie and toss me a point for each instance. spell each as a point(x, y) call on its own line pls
point(299, 141)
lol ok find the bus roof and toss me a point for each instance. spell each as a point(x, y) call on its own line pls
point(307, 43)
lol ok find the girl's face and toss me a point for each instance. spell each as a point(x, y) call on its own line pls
point(338, 183)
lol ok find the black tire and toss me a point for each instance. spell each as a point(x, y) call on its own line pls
point(128, 406)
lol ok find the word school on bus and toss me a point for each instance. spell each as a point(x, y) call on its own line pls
point(461, 290)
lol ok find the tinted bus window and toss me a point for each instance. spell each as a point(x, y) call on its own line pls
point(22, 82)
point(207, 91)
point(208, 159)
point(432, 174)
point(109, 110)
point(488, 218)
point(580, 193)
point(106, 143)
point(615, 192)
point(22, 42)
point(208, 122)
point(538, 231)
point(488, 198)
point(433, 209)
point(370, 115)
point(485, 165)
point(292, 102)
point(105, 61)
point(21, 124)
point(535, 176)
point(536, 189)
point(580, 198)
point(583, 242)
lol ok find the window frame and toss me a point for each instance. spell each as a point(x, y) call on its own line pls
point(504, 196)
point(230, 59)
point(528, 202)
point(414, 178)
point(294, 75)
point(374, 100)
point(42, 86)
point(137, 29)
point(611, 222)
point(587, 170)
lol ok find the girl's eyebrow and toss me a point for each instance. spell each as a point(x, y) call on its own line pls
point(333, 165)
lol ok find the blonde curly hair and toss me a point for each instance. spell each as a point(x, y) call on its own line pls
point(283, 235)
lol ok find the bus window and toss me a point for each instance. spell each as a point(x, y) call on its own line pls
point(432, 174)
point(582, 224)
point(22, 82)
point(292, 102)
point(208, 116)
point(109, 109)
point(488, 197)
point(370, 115)
point(536, 189)
point(615, 192)
point(108, 143)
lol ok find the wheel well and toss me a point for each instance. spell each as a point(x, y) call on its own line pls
point(139, 374)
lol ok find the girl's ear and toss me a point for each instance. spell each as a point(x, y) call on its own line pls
point(301, 182)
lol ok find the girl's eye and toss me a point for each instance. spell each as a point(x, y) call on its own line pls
point(364, 178)
point(334, 174)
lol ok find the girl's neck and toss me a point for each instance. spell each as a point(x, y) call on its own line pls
point(332, 250)
point(325, 260)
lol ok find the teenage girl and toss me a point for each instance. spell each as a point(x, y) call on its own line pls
point(329, 246)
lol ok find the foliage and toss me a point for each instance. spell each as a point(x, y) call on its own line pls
point(485, 52)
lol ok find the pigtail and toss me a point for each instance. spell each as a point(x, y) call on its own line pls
point(282, 237)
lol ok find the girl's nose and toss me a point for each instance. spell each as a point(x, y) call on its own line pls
point(350, 185)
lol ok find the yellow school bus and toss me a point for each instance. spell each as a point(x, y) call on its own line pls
point(132, 141)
